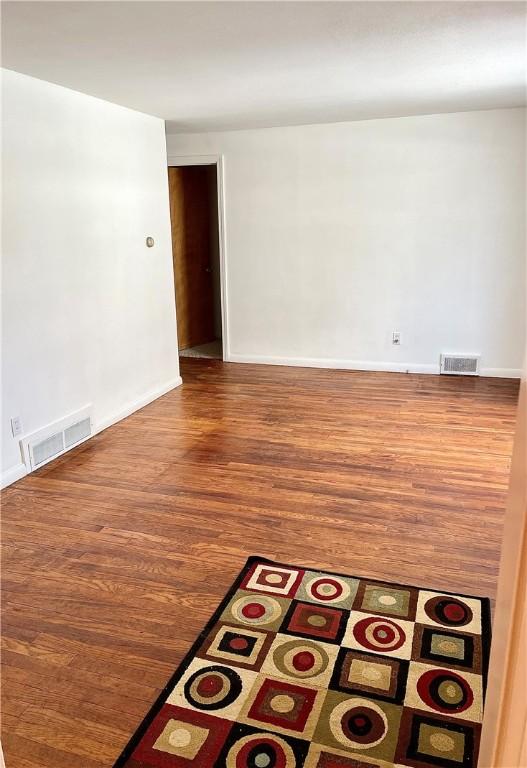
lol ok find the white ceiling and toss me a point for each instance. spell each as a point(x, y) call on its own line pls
point(221, 65)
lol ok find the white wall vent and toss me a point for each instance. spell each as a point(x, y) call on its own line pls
point(46, 449)
point(460, 365)
point(77, 432)
point(46, 444)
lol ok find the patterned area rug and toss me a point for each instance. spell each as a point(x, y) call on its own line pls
point(304, 668)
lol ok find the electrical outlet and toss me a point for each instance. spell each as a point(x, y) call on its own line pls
point(16, 426)
point(396, 338)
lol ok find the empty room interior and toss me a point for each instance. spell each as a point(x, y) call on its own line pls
point(264, 415)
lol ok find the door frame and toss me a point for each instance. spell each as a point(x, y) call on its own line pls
point(504, 732)
point(216, 160)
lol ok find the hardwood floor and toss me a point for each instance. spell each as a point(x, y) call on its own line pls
point(116, 555)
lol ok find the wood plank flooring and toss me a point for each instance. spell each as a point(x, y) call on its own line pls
point(116, 555)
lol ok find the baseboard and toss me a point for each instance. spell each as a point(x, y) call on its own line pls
point(502, 373)
point(337, 363)
point(362, 365)
point(13, 474)
point(20, 470)
point(136, 405)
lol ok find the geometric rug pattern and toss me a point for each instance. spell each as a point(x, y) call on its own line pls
point(303, 668)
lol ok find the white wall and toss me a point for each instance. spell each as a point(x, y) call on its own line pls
point(88, 309)
point(337, 235)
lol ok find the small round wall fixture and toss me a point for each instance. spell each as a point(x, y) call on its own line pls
point(149, 242)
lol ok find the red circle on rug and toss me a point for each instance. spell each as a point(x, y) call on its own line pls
point(454, 612)
point(315, 589)
point(360, 722)
point(379, 634)
point(210, 685)
point(384, 634)
point(449, 611)
point(253, 610)
point(428, 688)
point(303, 661)
point(239, 643)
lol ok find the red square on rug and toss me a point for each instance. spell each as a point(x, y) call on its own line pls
point(310, 620)
point(178, 738)
point(282, 704)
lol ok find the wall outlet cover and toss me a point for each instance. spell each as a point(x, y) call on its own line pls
point(16, 426)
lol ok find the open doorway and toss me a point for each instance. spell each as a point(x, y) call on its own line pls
point(193, 193)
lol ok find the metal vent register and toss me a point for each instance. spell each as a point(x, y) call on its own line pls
point(461, 365)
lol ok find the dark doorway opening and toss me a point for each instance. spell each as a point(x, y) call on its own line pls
point(195, 247)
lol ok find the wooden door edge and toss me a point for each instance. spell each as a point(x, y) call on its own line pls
point(503, 735)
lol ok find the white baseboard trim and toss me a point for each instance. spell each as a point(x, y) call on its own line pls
point(136, 405)
point(362, 365)
point(502, 373)
point(327, 362)
point(20, 470)
point(13, 474)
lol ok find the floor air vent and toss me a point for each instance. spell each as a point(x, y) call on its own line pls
point(460, 365)
point(46, 449)
point(48, 443)
point(77, 432)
